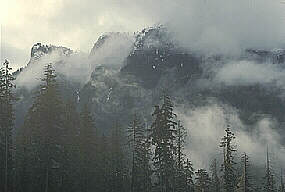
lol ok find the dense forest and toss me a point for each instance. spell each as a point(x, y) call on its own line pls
point(59, 148)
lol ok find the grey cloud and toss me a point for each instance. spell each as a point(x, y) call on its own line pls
point(206, 125)
point(250, 73)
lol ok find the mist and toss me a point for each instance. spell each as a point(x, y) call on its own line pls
point(245, 73)
point(78, 66)
point(206, 126)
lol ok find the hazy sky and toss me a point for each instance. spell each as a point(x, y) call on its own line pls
point(75, 24)
point(219, 25)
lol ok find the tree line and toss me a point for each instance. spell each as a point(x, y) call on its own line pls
point(59, 148)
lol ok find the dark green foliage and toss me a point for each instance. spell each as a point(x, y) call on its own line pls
point(203, 181)
point(189, 176)
point(60, 150)
point(184, 170)
point(216, 185)
point(42, 149)
point(119, 176)
point(6, 128)
point(229, 177)
point(269, 183)
point(244, 183)
point(140, 170)
point(282, 186)
point(88, 149)
point(71, 167)
point(163, 135)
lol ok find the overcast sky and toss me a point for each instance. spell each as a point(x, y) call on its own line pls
point(78, 23)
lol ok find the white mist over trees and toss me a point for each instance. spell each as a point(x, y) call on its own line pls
point(100, 122)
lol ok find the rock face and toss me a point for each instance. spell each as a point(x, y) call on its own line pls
point(38, 50)
point(153, 62)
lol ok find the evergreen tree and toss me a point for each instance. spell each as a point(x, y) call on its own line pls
point(140, 171)
point(119, 169)
point(180, 158)
point(6, 127)
point(163, 135)
point(43, 130)
point(189, 174)
point(104, 170)
point(215, 177)
point(71, 146)
point(87, 144)
point(282, 186)
point(229, 177)
point(244, 184)
point(269, 184)
point(203, 181)
point(146, 169)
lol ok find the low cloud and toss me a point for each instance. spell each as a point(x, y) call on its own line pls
point(78, 66)
point(246, 73)
point(206, 126)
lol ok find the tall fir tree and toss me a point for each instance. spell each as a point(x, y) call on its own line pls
point(71, 124)
point(163, 135)
point(189, 176)
point(140, 170)
point(104, 160)
point(43, 130)
point(245, 184)
point(216, 186)
point(229, 177)
point(119, 169)
point(269, 183)
point(282, 186)
point(87, 144)
point(6, 127)
point(180, 158)
point(203, 181)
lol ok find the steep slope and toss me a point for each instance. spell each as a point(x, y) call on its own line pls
point(128, 74)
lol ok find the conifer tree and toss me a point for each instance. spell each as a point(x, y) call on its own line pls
point(282, 186)
point(71, 148)
point(180, 158)
point(269, 185)
point(163, 135)
point(140, 162)
point(244, 184)
point(215, 177)
point(104, 160)
point(189, 175)
point(203, 181)
point(119, 170)
point(6, 126)
point(146, 166)
point(180, 140)
point(229, 177)
point(44, 128)
point(87, 144)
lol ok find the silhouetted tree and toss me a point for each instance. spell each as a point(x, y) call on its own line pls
point(87, 147)
point(269, 184)
point(244, 184)
point(163, 135)
point(140, 171)
point(203, 181)
point(229, 177)
point(215, 177)
point(6, 127)
point(119, 169)
point(43, 132)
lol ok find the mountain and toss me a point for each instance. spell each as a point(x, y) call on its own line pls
point(129, 72)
